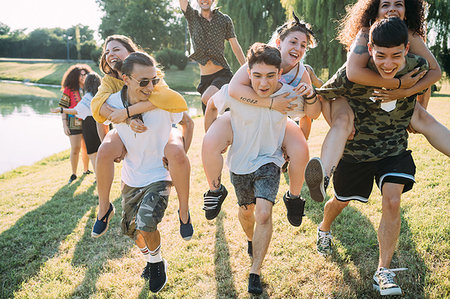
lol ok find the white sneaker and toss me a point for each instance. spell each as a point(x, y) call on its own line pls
point(324, 242)
point(384, 282)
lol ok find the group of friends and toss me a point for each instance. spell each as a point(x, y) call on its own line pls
point(263, 113)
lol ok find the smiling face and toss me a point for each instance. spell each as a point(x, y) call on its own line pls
point(205, 4)
point(82, 78)
point(136, 93)
point(264, 79)
point(391, 8)
point(292, 49)
point(115, 51)
point(388, 61)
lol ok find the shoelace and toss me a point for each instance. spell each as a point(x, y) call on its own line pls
point(210, 202)
point(325, 240)
point(387, 275)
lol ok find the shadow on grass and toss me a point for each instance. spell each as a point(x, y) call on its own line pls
point(93, 254)
point(36, 237)
point(224, 275)
point(357, 245)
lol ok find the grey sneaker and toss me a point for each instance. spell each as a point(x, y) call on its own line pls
point(383, 281)
point(324, 243)
point(316, 179)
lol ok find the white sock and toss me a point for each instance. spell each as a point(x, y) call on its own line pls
point(145, 252)
point(155, 255)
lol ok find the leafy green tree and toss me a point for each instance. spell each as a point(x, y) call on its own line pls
point(439, 24)
point(153, 24)
point(4, 29)
point(254, 21)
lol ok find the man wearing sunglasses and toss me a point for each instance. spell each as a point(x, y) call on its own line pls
point(146, 182)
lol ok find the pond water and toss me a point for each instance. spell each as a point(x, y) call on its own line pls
point(29, 132)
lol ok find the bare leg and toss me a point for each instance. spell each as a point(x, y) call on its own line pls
point(93, 159)
point(262, 234)
point(435, 132)
point(75, 145)
point(305, 125)
point(180, 170)
point(111, 149)
point(84, 155)
point(332, 209)
point(152, 239)
point(209, 92)
point(389, 229)
point(247, 219)
point(215, 142)
point(341, 128)
point(297, 149)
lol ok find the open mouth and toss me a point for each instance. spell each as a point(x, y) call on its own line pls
point(388, 71)
point(294, 55)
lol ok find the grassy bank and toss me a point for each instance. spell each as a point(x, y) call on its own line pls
point(51, 72)
point(47, 251)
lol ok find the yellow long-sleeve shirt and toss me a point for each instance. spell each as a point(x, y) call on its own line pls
point(162, 97)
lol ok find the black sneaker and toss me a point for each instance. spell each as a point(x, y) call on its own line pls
point(212, 202)
point(295, 207)
point(146, 272)
point(186, 229)
point(315, 179)
point(250, 248)
point(72, 178)
point(254, 284)
point(158, 277)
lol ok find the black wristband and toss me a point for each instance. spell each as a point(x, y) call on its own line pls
point(61, 110)
point(308, 98)
point(399, 83)
point(128, 112)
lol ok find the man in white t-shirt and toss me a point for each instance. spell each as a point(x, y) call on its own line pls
point(255, 156)
point(145, 181)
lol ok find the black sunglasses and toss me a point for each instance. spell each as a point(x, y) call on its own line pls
point(145, 82)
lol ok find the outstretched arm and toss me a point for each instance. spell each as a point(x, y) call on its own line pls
point(184, 4)
point(64, 110)
point(237, 50)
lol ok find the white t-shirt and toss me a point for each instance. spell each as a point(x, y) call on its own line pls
point(83, 108)
point(257, 133)
point(143, 164)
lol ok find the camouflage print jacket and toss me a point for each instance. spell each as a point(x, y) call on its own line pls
point(379, 134)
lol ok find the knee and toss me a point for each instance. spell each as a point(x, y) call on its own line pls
point(75, 149)
point(391, 203)
point(343, 121)
point(205, 98)
point(107, 151)
point(246, 211)
point(263, 217)
point(175, 153)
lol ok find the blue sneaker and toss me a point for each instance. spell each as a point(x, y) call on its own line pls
point(186, 229)
point(101, 226)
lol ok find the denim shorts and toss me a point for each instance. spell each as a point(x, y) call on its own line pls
point(144, 207)
point(263, 183)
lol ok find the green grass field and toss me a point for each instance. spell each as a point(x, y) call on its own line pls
point(49, 72)
point(47, 251)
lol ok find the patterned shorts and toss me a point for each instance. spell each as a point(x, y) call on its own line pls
point(144, 207)
point(263, 183)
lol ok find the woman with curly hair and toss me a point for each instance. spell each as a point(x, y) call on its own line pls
point(354, 34)
point(71, 84)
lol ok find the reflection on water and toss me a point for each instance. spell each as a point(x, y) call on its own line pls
point(29, 132)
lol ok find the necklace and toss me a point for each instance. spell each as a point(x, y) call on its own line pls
point(296, 74)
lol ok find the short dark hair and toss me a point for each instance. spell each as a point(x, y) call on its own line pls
point(388, 33)
point(142, 58)
point(92, 82)
point(263, 53)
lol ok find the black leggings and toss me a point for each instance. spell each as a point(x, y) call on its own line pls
point(90, 135)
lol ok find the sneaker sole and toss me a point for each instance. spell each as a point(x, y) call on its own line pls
point(388, 292)
point(165, 282)
point(95, 235)
point(293, 222)
point(314, 176)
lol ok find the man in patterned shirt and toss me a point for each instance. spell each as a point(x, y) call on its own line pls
point(379, 148)
point(209, 29)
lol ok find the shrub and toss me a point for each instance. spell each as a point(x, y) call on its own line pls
point(178, 59)
point(163, 57)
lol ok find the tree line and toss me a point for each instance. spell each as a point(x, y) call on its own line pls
point(159, 27)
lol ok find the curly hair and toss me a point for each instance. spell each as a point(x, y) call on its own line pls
point(364, 12)
point(126, 42)
point(71, 77)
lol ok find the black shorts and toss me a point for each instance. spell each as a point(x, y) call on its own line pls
point(218, 79)
point(90, 135)
point(354, 181)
